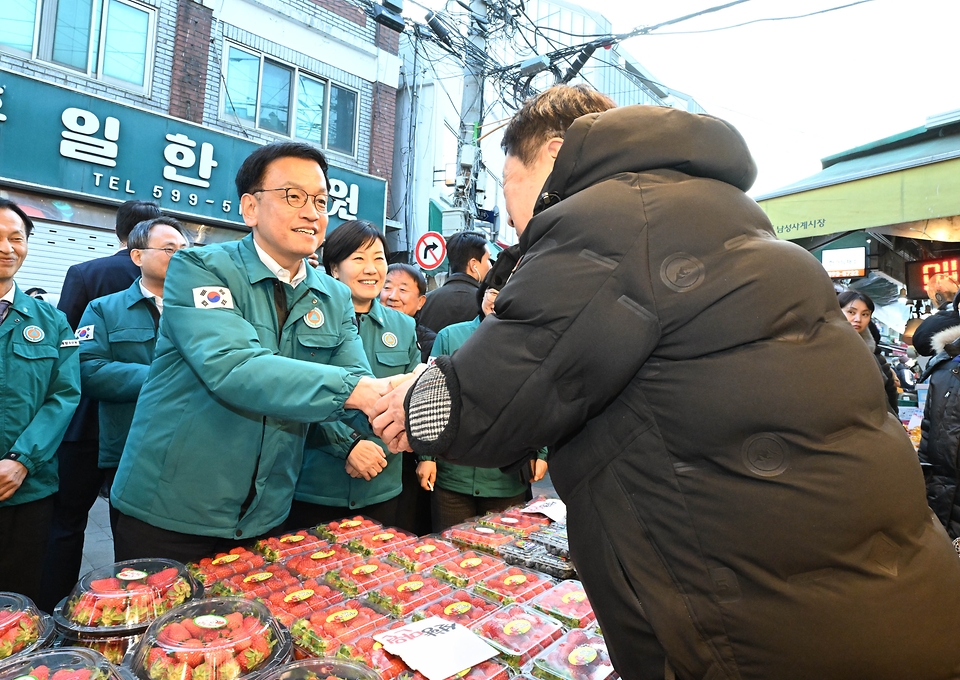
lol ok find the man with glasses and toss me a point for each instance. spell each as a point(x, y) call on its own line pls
point(254, 345)
point(118, 334)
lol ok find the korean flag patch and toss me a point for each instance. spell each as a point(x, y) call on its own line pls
point(84, 333)
point(212, 297)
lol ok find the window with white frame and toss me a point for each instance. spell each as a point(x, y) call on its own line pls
point(267, 94)
point(111, 40)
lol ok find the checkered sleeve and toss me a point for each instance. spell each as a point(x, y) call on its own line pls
point(433, 409)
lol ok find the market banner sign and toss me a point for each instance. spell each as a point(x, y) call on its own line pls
point(55, 139)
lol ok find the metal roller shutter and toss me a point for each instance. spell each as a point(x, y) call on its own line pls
point(54, 247)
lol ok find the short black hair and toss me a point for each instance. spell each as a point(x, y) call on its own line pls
point(414, 273)
point(463, 247)
point(251, 172)
point(132, 213)
point(140, 236)
point(849, 295)
point(349, 237)
point(7, 204)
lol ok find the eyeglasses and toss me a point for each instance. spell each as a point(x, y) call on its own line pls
point(169, 250)
point(297, 198)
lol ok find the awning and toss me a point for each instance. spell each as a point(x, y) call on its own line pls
point(907, 185)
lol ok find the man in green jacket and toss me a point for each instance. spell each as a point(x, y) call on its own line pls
point(118, 334)
point(39, 391)
point(254, 345)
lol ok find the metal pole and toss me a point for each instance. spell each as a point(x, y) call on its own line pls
point(468, 153)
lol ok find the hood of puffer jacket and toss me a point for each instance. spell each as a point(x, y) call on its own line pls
point(946, 337)
point(644, 138)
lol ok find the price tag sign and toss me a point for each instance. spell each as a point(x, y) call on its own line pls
point(554, 508)
point(435, 647)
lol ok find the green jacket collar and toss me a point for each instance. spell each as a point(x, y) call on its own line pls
point(22, 302)
point(376, 313)
point(133, 294)
point(257, 271)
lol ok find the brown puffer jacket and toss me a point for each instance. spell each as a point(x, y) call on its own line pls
point(740, 501)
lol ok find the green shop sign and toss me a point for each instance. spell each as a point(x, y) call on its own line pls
point(55, 139)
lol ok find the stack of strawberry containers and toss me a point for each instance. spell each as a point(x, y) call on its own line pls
point(61, 664)
point(23, 628)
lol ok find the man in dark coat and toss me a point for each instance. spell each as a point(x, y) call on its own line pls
point(80, 476)
point(741, 505)
point(941, 289)
point(456, 299)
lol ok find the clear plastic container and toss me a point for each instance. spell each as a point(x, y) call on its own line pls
point(123, 598)
point(466, 569)
point(277, 548)
point(554, 539)
point(211, 640)
point(380, 541)
point(114, 648)
point(513, 522)
point(423, 554)
point(408, 593)
point(223, 565)
point(23, 628)
point(460, 606)
point(522, 552)
point(486, 670)
point(518, 632)
point(558, 567)
point(72, 663)
point(321, 669)
point(567, 603)
point(359, 575)
point(322, 633)
point(363, 648)
point(261, 582)
point(302, 600)
point(469, 535)
point(513, 585)
point(343, 530)
point(578, 655)
point(315, 564)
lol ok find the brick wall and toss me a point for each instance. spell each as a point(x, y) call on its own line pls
point(382, 132)
point(388, 39)
point(189, 77)
point(345, 10)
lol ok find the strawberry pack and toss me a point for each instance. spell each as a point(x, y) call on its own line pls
point(60, 664)
point(260, 582)
point(513, 585)
point(218, 639)
point(469, 535)
point(323, 558)
point(514, 522)
point(301, 600)
point(468, 568)
point(422, 554)
point(359, 575)
point(321, 669)
point(380, 541)
point(343, 530)
point(578, 655)
point(364, 649)
point(279, 548)
point(224, 565)
point(22, 627)
point(518, 632)
point(403, 596)
point(567, 602)
point(323, 632)
point(124, 597)
point(460, 606)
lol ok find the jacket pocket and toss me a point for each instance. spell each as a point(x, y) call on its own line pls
point(33, 351)
point(131, 335)
point(316, 347)
point(393, 359)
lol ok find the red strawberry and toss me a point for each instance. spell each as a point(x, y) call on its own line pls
point(106, 585)
point(191, 654)
point(234, 620)
point(163, 578)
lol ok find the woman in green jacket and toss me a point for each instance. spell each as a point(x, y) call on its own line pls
point(344, 473)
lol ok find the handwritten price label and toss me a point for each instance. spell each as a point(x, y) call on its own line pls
point(435, 647)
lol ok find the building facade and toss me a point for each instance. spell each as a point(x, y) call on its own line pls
point(103, 101)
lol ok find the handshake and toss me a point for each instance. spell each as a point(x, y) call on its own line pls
point(381, 399)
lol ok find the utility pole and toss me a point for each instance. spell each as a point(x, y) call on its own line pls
point(468, 153)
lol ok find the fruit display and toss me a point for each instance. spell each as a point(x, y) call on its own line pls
point(522, 552)
point(359, 575)
point(365, 649)
point(60, 664)
point(301, 600)
point(554, 539)
point(124, 597)
point(275, 549)
point(513, 585)
point(217, 639)
point(315, 564)
point(380, 541)
point(223, 565)
point(518, 632)
point(422, 554)
point(460, 606)
point(321, 669)
point(468, 568)
point(513, 522)
point(343, 530)
point(578, 655)
point(469, 535)
point(113, 648)
point(322, 632)
point(23, 627)
point(260, 582)
point(567, 603)
point(487, 670)
point(558, 567)
point(407, 593)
